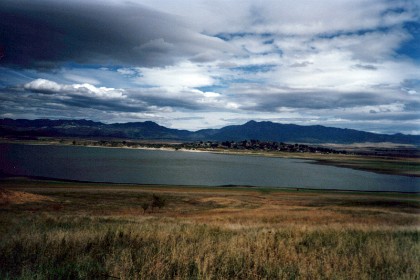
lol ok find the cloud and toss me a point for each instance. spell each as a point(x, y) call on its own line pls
point(411, 86)
point(375, 45)
point(127, 71)
point(146, 101)
point(43, 86)
point(47, 34)
point(184, 75)
point(155, 46)
point(86, 90)
point(198, 64)
point(289, 17)
point(46, 95)
point(365, 66)
point(184, 99)
point(301, 64)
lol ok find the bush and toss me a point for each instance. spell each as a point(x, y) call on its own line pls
point(145, 205)
point(157, 201)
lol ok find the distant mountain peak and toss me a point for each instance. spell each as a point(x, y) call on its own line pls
point(263, 131)
point(151, 123)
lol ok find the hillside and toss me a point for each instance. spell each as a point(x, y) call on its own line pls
point(269, 131)
point(264, 131)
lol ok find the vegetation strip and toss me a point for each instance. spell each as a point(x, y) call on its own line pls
point(95, 231)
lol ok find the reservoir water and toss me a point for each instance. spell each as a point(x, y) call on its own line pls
point(188, 168)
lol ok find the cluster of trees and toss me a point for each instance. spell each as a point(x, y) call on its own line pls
point(263, 146)
point(254, 145)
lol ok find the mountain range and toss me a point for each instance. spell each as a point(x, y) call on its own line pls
point(263, 131)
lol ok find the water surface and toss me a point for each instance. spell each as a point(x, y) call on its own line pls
point(188, 168)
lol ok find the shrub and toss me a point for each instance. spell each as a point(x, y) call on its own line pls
point(157, 201)
point(145, 205)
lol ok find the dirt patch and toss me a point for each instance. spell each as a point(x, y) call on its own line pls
point(17, 197)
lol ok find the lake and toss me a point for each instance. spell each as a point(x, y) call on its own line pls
point(188, 168)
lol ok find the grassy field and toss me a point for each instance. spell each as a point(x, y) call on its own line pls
point(62, 230)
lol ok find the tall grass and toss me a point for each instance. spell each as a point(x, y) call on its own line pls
point(85, 232)
point(51, 247)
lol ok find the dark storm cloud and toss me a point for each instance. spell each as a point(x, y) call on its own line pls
point(45, 34)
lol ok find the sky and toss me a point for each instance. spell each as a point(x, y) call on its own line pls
point(194, 64)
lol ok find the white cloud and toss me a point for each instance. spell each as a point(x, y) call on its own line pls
point(43, 85)
point(370, 46)
point(383, 108)
point(289, 17)
point(183, 75)
point(126, 71)
point(81, 79)
point(47, 86)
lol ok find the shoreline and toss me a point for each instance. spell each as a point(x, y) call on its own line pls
point(54, 143)
point(18, 179)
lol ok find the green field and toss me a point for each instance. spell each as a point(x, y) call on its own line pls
point(64, 230)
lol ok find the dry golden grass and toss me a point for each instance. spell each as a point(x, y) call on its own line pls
point(18, 197)
point(89, 231)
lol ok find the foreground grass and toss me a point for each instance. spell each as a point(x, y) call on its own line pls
point(88, 231)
